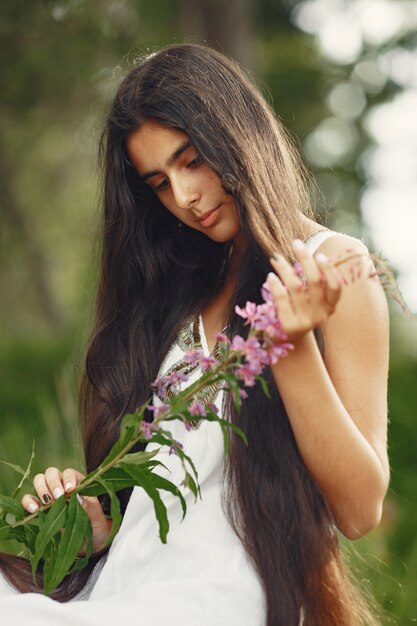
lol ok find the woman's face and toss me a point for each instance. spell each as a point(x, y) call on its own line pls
point(167, 161)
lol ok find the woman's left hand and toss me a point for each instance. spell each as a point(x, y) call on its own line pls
point(303, 305)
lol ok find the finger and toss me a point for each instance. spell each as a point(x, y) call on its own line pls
point(332, 279)
point(281, 298)
point(71, 478)
point(350, 268)
point(30, 503)
point(53, 479)
point(294, 285)
point(307, 261)
point(42, 489)
point(285, 271)
point(100, 525)
point(312, 274)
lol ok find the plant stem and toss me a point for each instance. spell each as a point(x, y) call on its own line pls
point(199, 384)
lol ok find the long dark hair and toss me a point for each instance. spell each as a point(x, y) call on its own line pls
point(154, 275)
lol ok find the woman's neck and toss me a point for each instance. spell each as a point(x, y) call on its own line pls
point(238, 250)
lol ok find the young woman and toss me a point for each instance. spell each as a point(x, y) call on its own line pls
point(202, 188)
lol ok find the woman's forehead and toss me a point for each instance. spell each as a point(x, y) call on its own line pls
point(152, 144)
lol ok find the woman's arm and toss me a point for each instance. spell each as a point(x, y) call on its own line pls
point(337, 406)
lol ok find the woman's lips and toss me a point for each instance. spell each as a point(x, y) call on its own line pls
point(211, 218)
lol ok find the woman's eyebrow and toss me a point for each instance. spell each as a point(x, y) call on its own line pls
point(174, 156)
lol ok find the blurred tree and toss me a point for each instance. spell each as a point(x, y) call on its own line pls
point(228, 25)
point(364, 147)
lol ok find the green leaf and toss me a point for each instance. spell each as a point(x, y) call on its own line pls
point(115, 477)
point(226, 439)
point(53, 519)
point(238, 432)
point(16, 468)
point(8, 532)
point(163, 483)
point(145, 480)
point(264, 385)
point(115, 512)
point(26, 473)
point(71, 542)
point(165, 438)
point(237, 398)
point(162, 438)
point(81, 562)
point(191, 484)
point(138, 458)
point(5, 530)
point(31, 532)
point(9, 505)
point(129, 429)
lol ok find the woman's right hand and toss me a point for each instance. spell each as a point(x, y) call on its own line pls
point(53, 484)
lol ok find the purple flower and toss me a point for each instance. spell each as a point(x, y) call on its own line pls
point(249, 312)
point(207, 362)
point(158, 409)
point(268, 321)
point(187, 424)
point(159, 384)
point(176, 377)
point(193, 356)
point(147, 429)
point(243, 394)
point(214, 407)
point(197, 408)
point(173, 448)
point(252, 350)
point(245, 374)
point(223, 338)
point(278, 350)
point(238, 343)
point(266, 293)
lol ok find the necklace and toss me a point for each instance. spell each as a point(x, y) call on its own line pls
point(189, 338)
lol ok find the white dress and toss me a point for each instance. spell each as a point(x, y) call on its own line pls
point(201, 576)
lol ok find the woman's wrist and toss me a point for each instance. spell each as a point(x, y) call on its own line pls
point(304, 347)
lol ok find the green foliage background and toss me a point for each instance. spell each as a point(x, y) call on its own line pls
point(61, 63)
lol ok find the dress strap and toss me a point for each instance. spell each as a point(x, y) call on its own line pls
point(315, 240)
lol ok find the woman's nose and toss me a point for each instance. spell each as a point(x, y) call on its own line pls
point(185, 194)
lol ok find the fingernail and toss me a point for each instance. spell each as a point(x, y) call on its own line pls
point(276, 256)
point(46, 498)
point(33, 507)
point(68, 486)
point(320, 257)
point(58, 492)
point(297, 244)
point(271, 276)
point(79, 498)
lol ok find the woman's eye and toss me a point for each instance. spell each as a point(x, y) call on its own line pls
point(162, 185)
point(194, 162)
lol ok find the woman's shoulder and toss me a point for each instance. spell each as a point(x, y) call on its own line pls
point(363, 303)
point(362, 294)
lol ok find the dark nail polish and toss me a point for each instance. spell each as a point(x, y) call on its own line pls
point(46, 498)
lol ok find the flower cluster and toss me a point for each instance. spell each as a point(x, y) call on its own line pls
point(265, 344)
point(244, 358)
